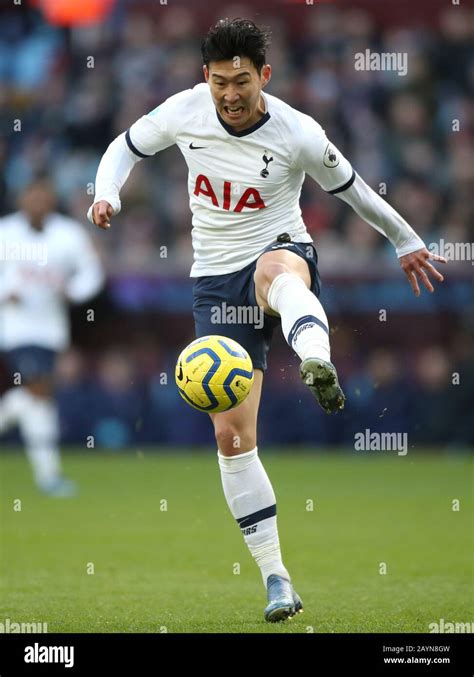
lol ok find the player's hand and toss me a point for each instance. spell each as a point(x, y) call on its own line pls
point(416, 266)
point(102, 213)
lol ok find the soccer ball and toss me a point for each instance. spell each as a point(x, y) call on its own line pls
point(214, 373)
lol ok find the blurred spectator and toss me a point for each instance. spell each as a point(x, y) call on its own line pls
point(117, 402)
point(379, 395)
point(433, 410)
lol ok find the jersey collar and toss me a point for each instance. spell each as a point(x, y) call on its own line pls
point(230, 130)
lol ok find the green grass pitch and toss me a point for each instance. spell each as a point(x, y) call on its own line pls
point(186, 568)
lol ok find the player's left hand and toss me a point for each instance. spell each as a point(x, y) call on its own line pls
point(416, 263)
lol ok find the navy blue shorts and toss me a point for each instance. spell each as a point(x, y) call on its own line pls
point(31, 362)
point(226, 304)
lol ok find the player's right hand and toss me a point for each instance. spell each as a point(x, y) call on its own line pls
point(101, 214)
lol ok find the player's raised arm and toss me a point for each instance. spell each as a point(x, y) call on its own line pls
point(323, 162)
point(411, 250)
point(150, 134)
point(114, 169)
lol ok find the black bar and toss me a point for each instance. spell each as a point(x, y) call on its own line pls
point(312, 653)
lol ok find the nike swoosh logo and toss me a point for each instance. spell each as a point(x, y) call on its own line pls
point(180, 372)
point(193, 147)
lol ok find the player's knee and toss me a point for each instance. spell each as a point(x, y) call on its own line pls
point(231, 439)
point(266, 273)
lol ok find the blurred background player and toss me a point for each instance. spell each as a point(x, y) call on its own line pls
point(49, 262)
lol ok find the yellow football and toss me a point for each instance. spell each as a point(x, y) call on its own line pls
point(214, 373)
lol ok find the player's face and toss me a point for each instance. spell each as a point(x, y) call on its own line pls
point(235, 89)
point(37, 201)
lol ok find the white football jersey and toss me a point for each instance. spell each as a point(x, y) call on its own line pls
point(43, 270)
point(244, 187)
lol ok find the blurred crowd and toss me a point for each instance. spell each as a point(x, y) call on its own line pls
point(128, 397)
point(411, 137)
point(125, 396)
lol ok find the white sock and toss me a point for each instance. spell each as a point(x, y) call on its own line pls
point(252, 502)
point(11, 405)
point(303, 320)
point(39, 428)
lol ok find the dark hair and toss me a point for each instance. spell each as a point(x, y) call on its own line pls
point(39, 178)
point(239, 37)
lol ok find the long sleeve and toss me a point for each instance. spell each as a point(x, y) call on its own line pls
point(9, 281)
point(114, 169)
point(148, 135)
point(319, 158)
point(381, 216)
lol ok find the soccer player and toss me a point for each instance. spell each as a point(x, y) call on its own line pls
point(247, 153)
point(49, 262)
